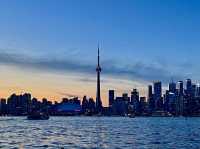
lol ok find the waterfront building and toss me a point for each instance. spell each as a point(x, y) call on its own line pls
point(3, 107)
point(158, 95)
point(72, 107)
point(143, 106)
point(119, 107)
point(194, 88)
point(126, 98)
point(189, 87)
point(180, 88)
point(111, 96)
point(150, 91)
point(85, 104)
point(151, 101)
point(135, 101)
point(198, 91)
point(172, 87)
point(172, 103)
point(157, 90)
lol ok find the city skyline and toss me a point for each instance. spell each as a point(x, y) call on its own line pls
point(49, 48)
point(180, 99)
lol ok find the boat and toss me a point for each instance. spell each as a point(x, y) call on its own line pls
point(161, 114)
point(131, 115)
point(38, 116)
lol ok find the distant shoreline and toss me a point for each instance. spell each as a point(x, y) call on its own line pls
point(104, 116)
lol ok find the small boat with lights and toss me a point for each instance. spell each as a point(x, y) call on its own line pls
point(38, 116)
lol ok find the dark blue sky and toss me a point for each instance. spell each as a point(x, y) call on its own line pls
point(143, 40)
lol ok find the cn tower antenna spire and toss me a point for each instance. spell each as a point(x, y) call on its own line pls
point(98, 55)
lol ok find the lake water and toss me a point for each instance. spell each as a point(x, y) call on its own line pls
point(100, 132)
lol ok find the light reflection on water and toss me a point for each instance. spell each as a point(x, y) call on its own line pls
point(100, 132)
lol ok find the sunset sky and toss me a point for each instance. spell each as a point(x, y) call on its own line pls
point(49, 47)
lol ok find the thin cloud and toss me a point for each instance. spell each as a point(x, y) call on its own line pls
point(137, 71)
point(69, 95)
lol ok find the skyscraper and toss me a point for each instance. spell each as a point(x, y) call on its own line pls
point(98, 96)
point(180, 88)
point(198, 91)
point(172, 103)
point(194, 89)
point(172, 87)
point(180, 99)
point(111, 97)
point(188, 86)
point(151, 100)
point(134, 96)
point(135, 100)
point(158, 95)
point(150, 92)
point(126, 98)
point(157, 90)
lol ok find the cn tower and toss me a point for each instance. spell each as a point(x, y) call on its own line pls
point(98, 96)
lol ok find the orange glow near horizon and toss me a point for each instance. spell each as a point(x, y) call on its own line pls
point(54, 86)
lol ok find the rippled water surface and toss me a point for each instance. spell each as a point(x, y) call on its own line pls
point(100, 132)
